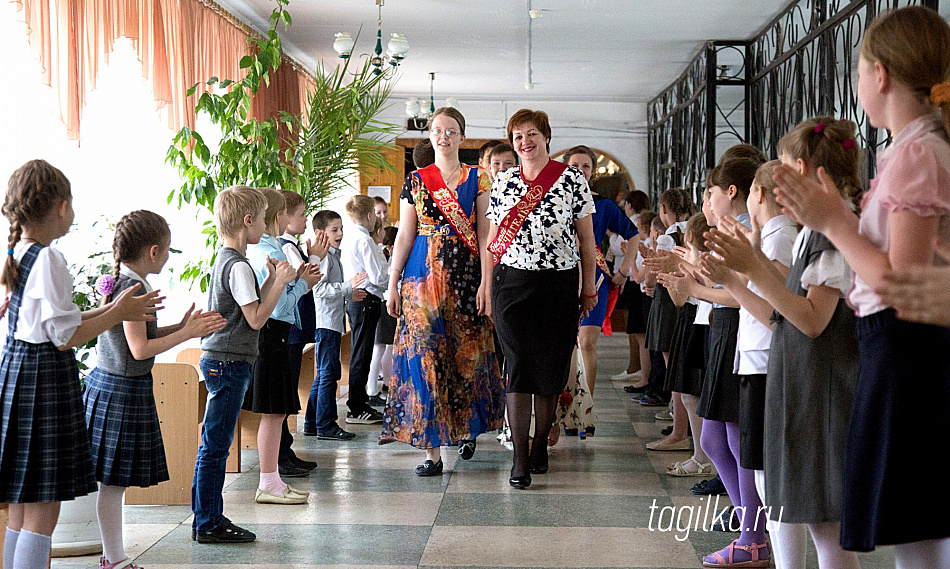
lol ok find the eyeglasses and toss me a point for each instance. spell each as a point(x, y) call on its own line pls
point(449, 132)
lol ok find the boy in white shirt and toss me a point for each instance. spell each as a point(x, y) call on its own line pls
point(360, 254)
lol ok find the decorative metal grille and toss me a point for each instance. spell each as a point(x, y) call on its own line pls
point(802, 64)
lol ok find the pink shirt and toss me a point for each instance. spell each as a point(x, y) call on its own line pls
point(913, 175)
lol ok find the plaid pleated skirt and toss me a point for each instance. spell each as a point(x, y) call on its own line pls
point(124, 431)
point(44, 449)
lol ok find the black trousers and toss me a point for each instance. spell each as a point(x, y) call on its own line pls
point(364, 316)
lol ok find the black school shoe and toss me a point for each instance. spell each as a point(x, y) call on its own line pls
point(709, 487)
point(429, 468)
point(467, 449)
point(225, 533)
point(288, 469)
point(305, 464)
point(335, 433)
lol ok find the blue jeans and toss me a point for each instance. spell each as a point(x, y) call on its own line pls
point(226, 382)
point(321, 407)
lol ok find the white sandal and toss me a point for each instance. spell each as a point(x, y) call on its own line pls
point(679, 468)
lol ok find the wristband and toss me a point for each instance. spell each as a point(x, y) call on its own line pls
point(590, 296)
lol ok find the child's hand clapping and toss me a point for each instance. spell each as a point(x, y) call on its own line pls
point(319, 246)
point(137, 308)
point(715, 270)
point(735, 251)
point(199, 324)
point(284, 272)
point(310, 273)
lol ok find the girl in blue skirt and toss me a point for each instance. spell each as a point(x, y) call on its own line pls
point(121, 416)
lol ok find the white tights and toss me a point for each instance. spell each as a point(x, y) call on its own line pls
point(109, 509)
point(923, 554)
point(382, 364)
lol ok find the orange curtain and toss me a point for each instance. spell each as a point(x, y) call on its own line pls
point(179, 42)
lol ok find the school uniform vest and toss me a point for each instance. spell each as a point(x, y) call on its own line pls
point(113, 347)
point(237, 341)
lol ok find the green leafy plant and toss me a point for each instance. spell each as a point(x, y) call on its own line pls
point(341, 132)
point(249, 151)
point(85, 295)
point(338, 134)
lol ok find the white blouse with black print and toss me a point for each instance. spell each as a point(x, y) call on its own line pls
point(548, 238)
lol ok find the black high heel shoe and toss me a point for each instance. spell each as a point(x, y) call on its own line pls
point(539, 468)
point(520, 482)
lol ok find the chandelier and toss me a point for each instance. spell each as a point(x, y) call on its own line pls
point(396, 49)
point(419, 111)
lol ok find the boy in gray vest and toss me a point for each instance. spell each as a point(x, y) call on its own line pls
point(330, 295)
point(230, 352)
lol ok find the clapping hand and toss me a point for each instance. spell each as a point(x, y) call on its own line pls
point(813, 203)
point(735, 251)
point(715, 270)
point(920, 293)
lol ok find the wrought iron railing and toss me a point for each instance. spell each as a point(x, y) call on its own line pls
point(801, 64)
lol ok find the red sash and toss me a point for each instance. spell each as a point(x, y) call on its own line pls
point(511, 224)
point(448, 204)
point(602, 262)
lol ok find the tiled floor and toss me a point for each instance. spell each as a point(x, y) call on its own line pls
point(368, 509)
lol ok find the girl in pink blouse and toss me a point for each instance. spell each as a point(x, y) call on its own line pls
point(903, 392)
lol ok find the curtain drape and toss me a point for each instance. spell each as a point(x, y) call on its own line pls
point(179, 42)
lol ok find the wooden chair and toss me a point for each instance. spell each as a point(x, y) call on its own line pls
point(193, 356)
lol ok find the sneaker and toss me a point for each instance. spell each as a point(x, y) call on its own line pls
point(335, 433)
point(376, 401)
point(709, 487)
point(368, 416)
point(226, 533)
point(651, 401)
point(663, 415)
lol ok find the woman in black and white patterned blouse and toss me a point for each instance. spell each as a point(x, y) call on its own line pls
point(540, 232)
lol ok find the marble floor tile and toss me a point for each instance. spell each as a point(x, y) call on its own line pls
point(556, 547)
point(338, 508)
point(561, 482)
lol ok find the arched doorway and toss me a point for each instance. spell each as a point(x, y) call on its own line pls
point(606, 165)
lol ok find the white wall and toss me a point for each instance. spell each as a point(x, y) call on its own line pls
point(615, 128)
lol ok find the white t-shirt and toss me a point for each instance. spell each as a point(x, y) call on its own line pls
point(47, 312)
point(755, 338)
point(242, 282)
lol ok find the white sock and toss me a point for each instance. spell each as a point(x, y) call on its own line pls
point(272, 484)
point(109, 509)
point(32, 550)
point(9, 548)
point(789, 541)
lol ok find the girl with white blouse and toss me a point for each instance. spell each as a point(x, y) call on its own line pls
point(45, 455)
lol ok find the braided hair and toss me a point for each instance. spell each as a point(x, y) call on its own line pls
point(32, 192)
point(135, 233)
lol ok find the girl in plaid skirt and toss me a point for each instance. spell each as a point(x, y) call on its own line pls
point(44, 450)
point(121, 416)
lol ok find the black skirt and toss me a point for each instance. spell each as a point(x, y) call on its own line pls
point(687, 356)
point(901, 410)
point(124, 431)
point(272, 390)
point(662, 320)
point(386, 328)
point(536, 316)
point(44, 448)
point(636, 317)
point(752, 421)
point(720, 398)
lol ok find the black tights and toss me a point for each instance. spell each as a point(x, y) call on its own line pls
point(519, 420)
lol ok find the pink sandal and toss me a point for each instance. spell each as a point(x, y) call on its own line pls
point(717, 560)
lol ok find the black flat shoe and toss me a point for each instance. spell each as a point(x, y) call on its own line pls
point(632, 389)
point(305, 464)
point(290, 470)
point(520, 482)
point(467, 449)
point(539, 469)
point(429, 468)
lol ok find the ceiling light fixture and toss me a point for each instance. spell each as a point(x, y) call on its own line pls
point(396, 49)
point(419, 111)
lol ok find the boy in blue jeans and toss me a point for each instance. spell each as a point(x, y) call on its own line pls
point(230, 352)
point(329, 296)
